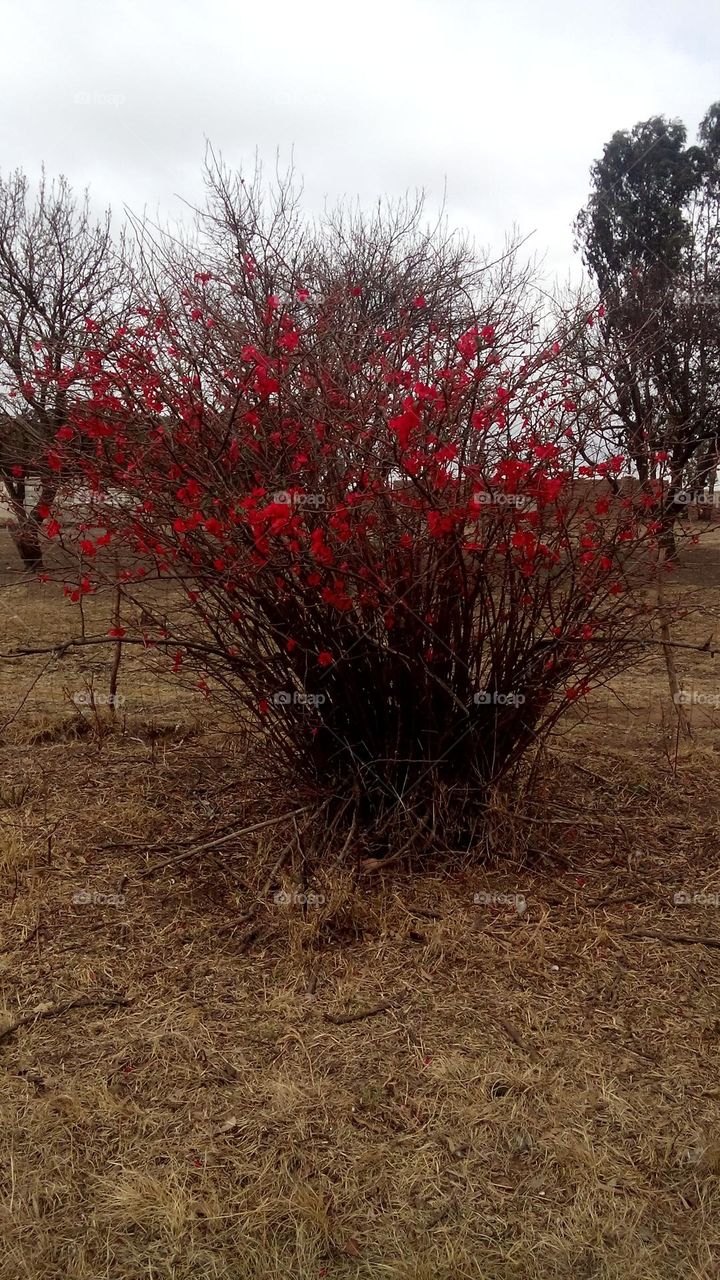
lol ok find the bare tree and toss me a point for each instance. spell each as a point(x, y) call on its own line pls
point(61, 300)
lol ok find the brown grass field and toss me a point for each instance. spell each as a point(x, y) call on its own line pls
point(397, 1083)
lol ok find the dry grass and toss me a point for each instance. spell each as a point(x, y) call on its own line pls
point(536, 1096)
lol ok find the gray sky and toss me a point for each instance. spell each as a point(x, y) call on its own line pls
point(504, 105)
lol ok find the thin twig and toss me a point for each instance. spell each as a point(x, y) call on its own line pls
point(313, 979)
point(250, 938)
point(673, 937)
point(117, 657)
point(53, 1010)
point(339, 1019)
point(514, 1035)
point(23, 941)
point(62, 646)
point(369, 866)
point(213, 844)
point(279, 861)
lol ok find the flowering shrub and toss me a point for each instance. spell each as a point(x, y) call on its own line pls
point(367, 504)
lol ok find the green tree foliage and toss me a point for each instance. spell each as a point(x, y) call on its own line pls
point(650, 238)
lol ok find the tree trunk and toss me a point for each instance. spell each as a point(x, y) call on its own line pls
point(26, 537)
point(674, 683)
point(666, 540)
point(26, 525)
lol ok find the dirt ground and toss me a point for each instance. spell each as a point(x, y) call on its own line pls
point(395, 1081)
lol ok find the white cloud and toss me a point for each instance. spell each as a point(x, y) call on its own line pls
point(506, 104)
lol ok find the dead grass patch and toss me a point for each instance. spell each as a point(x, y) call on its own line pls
point(397, 1081)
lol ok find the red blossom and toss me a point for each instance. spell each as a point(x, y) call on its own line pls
point(319, 549)
point(440, 523)
point(290, 341)
point(405, 424)
point(467, 345)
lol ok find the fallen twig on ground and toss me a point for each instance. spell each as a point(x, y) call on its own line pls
point(339, 1019)
point(52, 1010)
point(213, 844)
point(23, 941)
point(515, 1036)
point(313, 979)
point(673, 937)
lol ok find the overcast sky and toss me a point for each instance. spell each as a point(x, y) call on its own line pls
point(502, 103)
